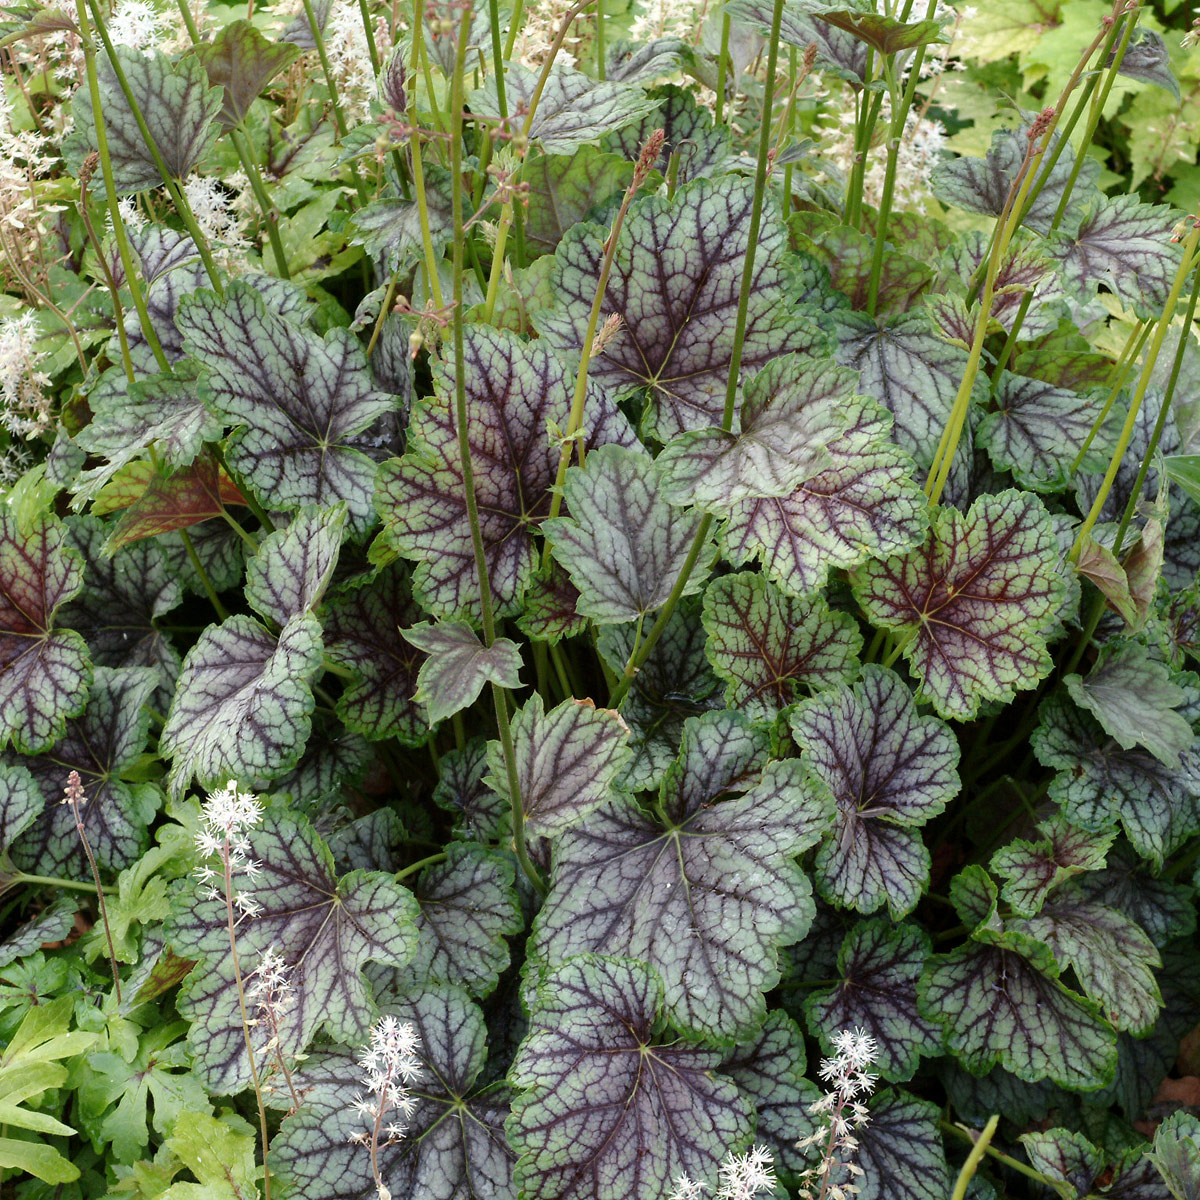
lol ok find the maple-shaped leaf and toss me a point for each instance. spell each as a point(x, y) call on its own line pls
point(688, 131)
point(1098, 784)
point(1176, 1153)
point(1065, 1156)
point(453, 1146)
point(675, 282)
point(610, 1108)
point(972, 606)
point(1033, 869)
point(292, 567)
point(623, 545)
point(837, 51)
point(44, 672)
point(1135, 699)
point(324, 928)
point(242, 61)
point(1037, 429)
point(878, 968)
point(176, 103)
point(1124, 245)
point(100, 744)
point(566, 189)
point(866, 504)
point(243, 702)
point(792, 409)
point(458, 666)
point(705, 894)
point(1112, 957)
point(769, 647)
point(304, 404)
point(515, 391)
point(573, 109)
point(567, 761)
point(362, 633)
point(1146, 58)
point(889, 771)
point(374, 842)
point(460, 788)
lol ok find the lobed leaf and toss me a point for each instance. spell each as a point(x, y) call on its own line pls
point(458, 666)
point(242, 62)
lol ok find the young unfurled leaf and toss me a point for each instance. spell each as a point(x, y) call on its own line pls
point(1032, 870)
point(362, 633)
point(793, 409)
point(1133, 696)
point(566, 189)
point(865, 505)
point(623, 545)
point(515, 391)
point(567, 759)
point(706, 895)
point(243, 703)
point(611, 1109)
point(889, 771)
point(459, 666)
point(176, 103)
point(676, 277)
point(767, 646)
point(292, 567)
point(861, 19)
point(44, 672)
point(324, 929)
point(304, 403)
point(242, 61)
point(972, 605)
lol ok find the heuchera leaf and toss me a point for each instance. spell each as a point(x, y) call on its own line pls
point(767, 646)
point(551, 611)
point(848, 256)
point(1032, 870)
point(623, 545)
point(44, 672)
point(304, 403)
point(889, 771)
point(481, 812)
point(565, 189)
point(453, 1147)
point(611, 1110)
point(176, 103)
point(1065, 1156)
point(837, 50)
point(243, 62)
point(706, 894)
point(860, 19)
point(865, 505)
point(567, 760)
point(243, 702)
point(325, 929)
point(292, 567)
point(675, 281)
point(973, 603)
point(23, 803)
point(1176, 1154)
point(879, 965)
point(459, 666)
point(688, 130)
point(516, 391)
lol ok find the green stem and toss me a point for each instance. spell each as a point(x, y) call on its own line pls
point(1012, 1163)
point(420, 865)
point(514, 25)
point(270, 214)
point(1121, 368)
point(197, 566)
point(74, 885)
point(722, 59)
point(418, 168)
point(599, 39)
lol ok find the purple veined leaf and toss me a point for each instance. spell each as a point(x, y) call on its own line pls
point(1034, 869)
point(391, 227)
point(1037, 429)
point(859, 18)
point(768, 647)
point(459, 666)
point(676, 332)
point(45, 672)
point(1063, 359)
point(176, 103)
point(52, 924)
point(631, 63)
point(566, 189)
point(551, 608)
point(374, 842)
point(1176, 1153)
point(392, 78)
point(171, 268)
point(304, 404)
point(243, 703)
point(1112, 957)
point(889, 771)
point(1066, 1157)
point(865, 505)
point(1098, 784)
point(1161, 907)
point(299, 30)
point(623, 545)
point(516, 391)
point(22, 804)
point(1147, 59)
point(221, 552)
point(878, 968)
point(1183, 625)
point(837, 51)
point(676, 682)
point(325, 929)
point(705, 895)
point(481, 813)
point(688, 128)
point(292, 567)
point(568, 761)
point(1135, 699)
point(101, 743)
point(974, 604)
point(362, 633)
point(334, 758)
point(610, 1108)
point(242, 62)
point(454, 1146)
point(573, 109)
point(792, 409)
point(1123, 245)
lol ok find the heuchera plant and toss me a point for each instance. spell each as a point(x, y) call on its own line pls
point(573, 562)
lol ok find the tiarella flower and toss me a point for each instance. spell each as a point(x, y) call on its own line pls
point(135, 23)
point(350, 57)
point(741, 1176)
point(227, 817)
point(24, 395)
point(218, 221)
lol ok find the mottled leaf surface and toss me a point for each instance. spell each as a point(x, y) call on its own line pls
point(292, 567)
point(459, 666)
point(1033, 869)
